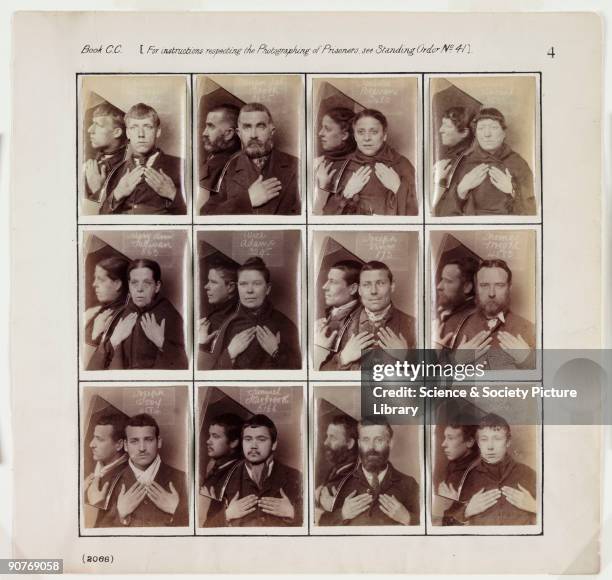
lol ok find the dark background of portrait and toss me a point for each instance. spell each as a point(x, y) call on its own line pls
point(394, 97)
point(516, 247)
point(167, 247)
point(407, 444)
point(400, 255)
point(167, 94)
point(169, 405)
point(284, 405)
point(514, 96)
point(283, 249)
point(282, 94)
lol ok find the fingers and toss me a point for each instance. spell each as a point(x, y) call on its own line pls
point(104, 488)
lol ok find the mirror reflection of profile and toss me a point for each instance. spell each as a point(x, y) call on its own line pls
point(377, 180)
point(148, 334)
point(490, 178)
point(111, 289)
point(497, 490)
point(260, 179)
point(149, 492)
point(256, 335)
point(148, 181)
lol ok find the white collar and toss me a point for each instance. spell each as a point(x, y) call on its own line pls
point(101, 470)
point(147, 476)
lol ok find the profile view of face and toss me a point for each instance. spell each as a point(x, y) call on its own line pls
point(103, 132)
point(331, 134)
point(107, 290)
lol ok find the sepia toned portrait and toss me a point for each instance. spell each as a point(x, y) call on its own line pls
point(485, 462)
point(134, 145)
point(250, 456)
point(367, 472)
point(483, 157)
point(484, 297)
point(364, 131)
point(365, 295)
point(248, 144)
point(249, 296)
point(134, 296)
point(135, 457)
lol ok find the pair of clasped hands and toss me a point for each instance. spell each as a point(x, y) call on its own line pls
point(274, 506)
point(358, 180)
point(502, 180)
point(158, 181)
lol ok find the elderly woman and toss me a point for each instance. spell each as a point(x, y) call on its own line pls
point(337, 143)
point(377, 180)
point(110, 285)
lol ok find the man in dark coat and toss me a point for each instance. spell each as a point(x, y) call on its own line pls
point(149, 493)
point(256, 336)
point(148, 181)
point(497, 490)
point(223, 448)
point(107, 447)
point(260, 179)
point(375, 324)
point(220, 142)
point(259, 490)
point(107, 137)
point(374, 493)
point(149, 334)
point(490, 179)
point(492, 334)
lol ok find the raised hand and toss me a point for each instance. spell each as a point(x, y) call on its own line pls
point(388, 177)
point(95, 175)
point(240, 342)
point(262, 191)
point(479, 344)
point(515, 346)
point(324, 174)
point(127, 184)
point(95, 494)
point(123, 329)
point(482, 501)
point(129, 500)
point(520, 498)
point(502, 180)
point(204, 334)
point(394, 509)
point(166, 501)
point(472, 179)
point(355, 504)
point(100, 323)
point(352, 350)
point(238, 508)
point(279, 507)
point(267, 339)
point(160, 183)
point(153, 331)
point(357, 181)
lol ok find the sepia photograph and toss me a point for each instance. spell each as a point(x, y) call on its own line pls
point(248, 299)
point(366, 472)
point(250, 456)
point(134, 291)
point(485, 462)
point(134, 145)
point(365, 295)
point(483, 146)
point(248, 144)
point(135, 443)
point(484, 297)
point(365, 145)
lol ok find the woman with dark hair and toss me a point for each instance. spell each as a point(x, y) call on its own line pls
point(256, 335)
point(336, 143)
point(110, 286)
point(377, 179)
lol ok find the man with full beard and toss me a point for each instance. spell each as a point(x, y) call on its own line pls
point(340, 450)
point(259, 490)
point(493, 334)
point(260, 179)
point(220, 142)
point(375, 493)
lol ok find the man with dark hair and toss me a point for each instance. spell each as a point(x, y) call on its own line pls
point(107, 447)
point(223, 450)
point(376, 323)
point(220, 142)
point(259, 490)
point(490, 179)
point(149, 334)
point(374, 493)
point(492, 334)
point(256, 335)
point(107, 137)
point(260, 179)
point(497, 490)
point(148, 181)
point(340, 292)
point(222, 297)
point(149, 493)
point(340, 449)
point(454, 299)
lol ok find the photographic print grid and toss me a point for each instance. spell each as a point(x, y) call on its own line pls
point(364, 163)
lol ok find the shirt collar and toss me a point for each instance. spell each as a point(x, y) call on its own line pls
point(336, 310)
point(101, 470)
point(147, 476)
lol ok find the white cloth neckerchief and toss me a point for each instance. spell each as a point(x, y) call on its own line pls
point(267, 473)
point(370, 477)
point(375, 317)
point(344, 308)
point(493, 323)
point(101, 470)
point(150, 160)
point(147, 476)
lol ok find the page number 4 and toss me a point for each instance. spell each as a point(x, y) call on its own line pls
point(551, 52)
